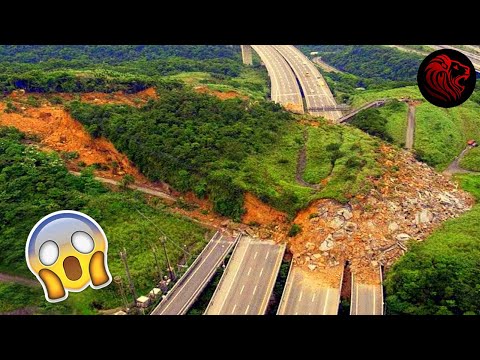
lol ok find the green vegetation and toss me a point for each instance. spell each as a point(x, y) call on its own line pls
point(369, 61)
point(471, 161)
point(33, 184)
point(440, 134)
point(371, 121)
point(294, 230)
point(440, 275)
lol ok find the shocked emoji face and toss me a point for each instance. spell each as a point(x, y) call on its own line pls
point(67, 251)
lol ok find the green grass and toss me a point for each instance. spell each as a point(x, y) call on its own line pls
point(271, 176)
point(362, 97)
point(440, 134)
point(396, 115)
point(251, 82)
point(471, 161)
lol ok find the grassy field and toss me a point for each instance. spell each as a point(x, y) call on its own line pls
point(471, 161)
point(271, 176)
point(31, 192)
point(252, 82)
point(440, 134)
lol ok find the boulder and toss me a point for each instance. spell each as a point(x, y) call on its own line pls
point(424, 216)
point(351, 227)
point(317, 256)
point(337, 222)
point(312, 267)
point(347, 214)
point(309, 246)
point(403, 237)
point(339, 234)
point(393, 227)
point(327, 244)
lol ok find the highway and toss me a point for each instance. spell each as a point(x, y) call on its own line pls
point(285, 89)
point(247, 284)
point(315, 90)
point(366, 299)
point(190, 285)
point(474, 58)
point(303, 297)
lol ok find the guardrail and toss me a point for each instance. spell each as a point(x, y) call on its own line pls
point(376, 103)
point(184, 276)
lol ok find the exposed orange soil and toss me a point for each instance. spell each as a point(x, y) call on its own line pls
point(219, 94)
point(58, 131)
point(97, 98)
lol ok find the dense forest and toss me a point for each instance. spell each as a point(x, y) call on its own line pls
point(193, 141)
point(108, 68)
point(369, 61)
point(114, 54)
point(35, 183)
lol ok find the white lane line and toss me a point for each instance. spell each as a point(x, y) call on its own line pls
point(234, 307)
point(241, 291)
point(249, 271)
point(246, 310)
point(300, 297)
point(255, 290)
point(266, 256)
point(261, 272)
point(313, 297)
point(255, 256)
point(326, 302)
point(190, 276)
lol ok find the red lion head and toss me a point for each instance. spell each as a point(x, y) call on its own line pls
point(445, 78)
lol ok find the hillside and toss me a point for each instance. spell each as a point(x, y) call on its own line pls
point(32, 182)
point(440, 134)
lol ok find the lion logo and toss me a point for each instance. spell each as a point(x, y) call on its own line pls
point(446, 78)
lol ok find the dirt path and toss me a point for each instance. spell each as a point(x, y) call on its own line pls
point(454, 167)
point(143, 189)
point(410, 127)
point(18, 280)
point(302, 163)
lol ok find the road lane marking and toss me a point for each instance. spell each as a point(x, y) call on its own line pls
point(313, 297)
point(300, 297)
point(266, 256)
point(241, 291)
point(261, 272)
point(326, 302)
point(202, 261)
point(236, 273)
point(255, 290)
point(246, 310)
point(234, 307)
point(249, 271)
point(255, 256)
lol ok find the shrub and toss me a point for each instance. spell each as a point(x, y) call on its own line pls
point(294, 230)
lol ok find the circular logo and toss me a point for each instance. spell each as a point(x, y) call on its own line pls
point(446, 78)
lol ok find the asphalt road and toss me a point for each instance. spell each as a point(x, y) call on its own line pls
point(455, 168)
point(284, 86)
point(410, 127)
point(315, 90)
point(188, 288)
point(248, 281)
point(301, 298)
point(366, 299)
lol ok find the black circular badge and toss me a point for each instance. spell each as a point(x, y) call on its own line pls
point(446, 78)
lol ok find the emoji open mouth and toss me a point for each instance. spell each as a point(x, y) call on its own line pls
point(72, 267)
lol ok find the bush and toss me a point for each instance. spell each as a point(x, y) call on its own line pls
point(294, 230)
